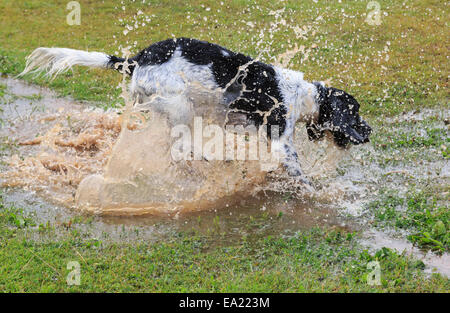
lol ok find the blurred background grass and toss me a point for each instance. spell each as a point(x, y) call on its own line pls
point(399, 65)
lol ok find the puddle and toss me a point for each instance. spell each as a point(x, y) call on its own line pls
point(50, 145)
point(77, 156)
point(54, 143)
point(53, 153)
point(63, 142)
point(434, 263)
point(251, 218)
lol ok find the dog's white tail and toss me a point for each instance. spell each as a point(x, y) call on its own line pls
point(57, 60)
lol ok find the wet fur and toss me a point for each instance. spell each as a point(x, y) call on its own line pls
point(260, 93)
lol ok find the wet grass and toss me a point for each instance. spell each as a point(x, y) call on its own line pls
point(2, 90)
point(317, 260)
point(406, 178)
point(396, 66)
point(412, 200)
point(428, 140)
point(422, 214)
point(421, 137)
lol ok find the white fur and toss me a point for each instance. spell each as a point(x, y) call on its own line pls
point(57, 60)
point(299, 98)
point(167, 87)
point(171, 77)
point(298, 94)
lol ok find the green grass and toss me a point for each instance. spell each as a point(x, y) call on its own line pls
point(419, 213)
point(411, 138)
point(2, 90)
point(318, 260)
point(396, 66)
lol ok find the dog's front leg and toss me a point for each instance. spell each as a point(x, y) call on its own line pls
point(289, 160)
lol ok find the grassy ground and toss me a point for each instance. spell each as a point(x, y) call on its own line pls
point(424, 217)
point(319, 260)
point(394, 67)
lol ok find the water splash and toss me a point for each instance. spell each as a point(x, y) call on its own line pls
point(120, 164)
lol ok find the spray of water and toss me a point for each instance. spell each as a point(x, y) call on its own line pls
point(108, 163)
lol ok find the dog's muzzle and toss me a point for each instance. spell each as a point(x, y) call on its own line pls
point(360, 133)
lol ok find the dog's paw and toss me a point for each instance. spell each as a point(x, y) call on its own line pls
point(305, 182)
point(300, 179)
point(295, 172)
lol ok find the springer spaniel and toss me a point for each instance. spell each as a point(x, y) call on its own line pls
point(261, 93)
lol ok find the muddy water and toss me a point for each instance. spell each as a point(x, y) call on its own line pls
point(251, 219)
point(54, 150)
point(53, 143)
point(109, 164)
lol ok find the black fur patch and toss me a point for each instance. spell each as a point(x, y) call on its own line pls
point(117, 64)
point(339, 114)
point(261, 86)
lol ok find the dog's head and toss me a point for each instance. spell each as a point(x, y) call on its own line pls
point(339, 114)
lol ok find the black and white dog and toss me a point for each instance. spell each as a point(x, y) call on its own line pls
point(262, 93)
